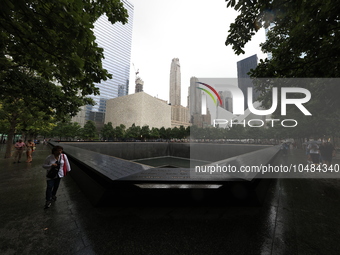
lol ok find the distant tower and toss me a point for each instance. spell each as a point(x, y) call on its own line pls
point(244, 82)
point(175, 82)
point(227, 100)
point(139, 85)
point(195, 105)
point(116, 40)
point(195, 98)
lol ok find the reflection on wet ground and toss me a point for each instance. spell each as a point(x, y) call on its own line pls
point(298, 216)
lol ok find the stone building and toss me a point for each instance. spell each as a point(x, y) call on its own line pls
point(140, 109)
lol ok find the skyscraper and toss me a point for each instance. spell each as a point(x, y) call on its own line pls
point(116, 40)
point(195, 98)
point(175, 82)
point(244, 82)
point(227, 100)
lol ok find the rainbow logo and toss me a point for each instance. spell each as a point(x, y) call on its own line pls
point(209, 93)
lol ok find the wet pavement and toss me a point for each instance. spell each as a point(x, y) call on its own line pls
point(299, 216)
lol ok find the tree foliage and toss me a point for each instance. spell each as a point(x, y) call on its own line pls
point(66, 130)
point(108, 131)
point(54, 41)
point(303, 41)
point(49, 59)
point(89, 131)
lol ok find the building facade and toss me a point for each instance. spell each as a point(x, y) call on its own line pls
point(140, 109)
point(179, 116)
point(244, 82)
point(227, 100)
point(175, 82)
point(194, 98)
point(195, 105)
point(116, 40)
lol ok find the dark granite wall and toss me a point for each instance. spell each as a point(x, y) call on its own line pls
point(141, 150)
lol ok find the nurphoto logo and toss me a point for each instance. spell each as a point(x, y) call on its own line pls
point(297, 96)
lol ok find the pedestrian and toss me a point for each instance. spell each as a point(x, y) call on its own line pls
point(314, 152)
point(327, 152)
point(19, 149)
point(284, 148)
point(29, 150)
point(58, 159)
point(309, 158)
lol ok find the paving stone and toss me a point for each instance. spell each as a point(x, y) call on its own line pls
point(298, 216)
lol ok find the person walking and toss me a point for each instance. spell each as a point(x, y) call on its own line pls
point(59, 160)
point(327, 152)
point(284, 148)
point(314, 152)
point(19, 149)
point(29, 150)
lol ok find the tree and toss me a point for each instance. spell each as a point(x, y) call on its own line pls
point(133, 132)
point(154, 133)
point(49, 58)
point(89, 131)
point(66, 130)
point(303, 42)
point(22, 113)
point(120, 131)
point(175, 133)
point(4, 125)
point(236, 132)
point(182, 132)
point(145, 132)
point(187, 132)
point(107, 131)
point(162, 133)
point(31, 125)
point(55, 40)
point(195, 132)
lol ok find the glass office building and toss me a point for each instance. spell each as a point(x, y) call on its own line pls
point(116, 40)
point(244, 82)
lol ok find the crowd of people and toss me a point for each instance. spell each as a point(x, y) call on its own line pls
point(320, 153)
point(317, 152)
point(20, 147)
point(57, 159)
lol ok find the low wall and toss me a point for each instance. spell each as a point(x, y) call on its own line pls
point(216, 152)
point(201, 151)
point(107, 177)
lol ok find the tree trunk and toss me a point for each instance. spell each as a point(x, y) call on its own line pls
point(10, 137)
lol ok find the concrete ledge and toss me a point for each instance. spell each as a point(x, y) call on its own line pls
point(105, 178)
point(140, 150)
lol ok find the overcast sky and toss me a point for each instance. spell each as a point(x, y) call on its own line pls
point(193, 31)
